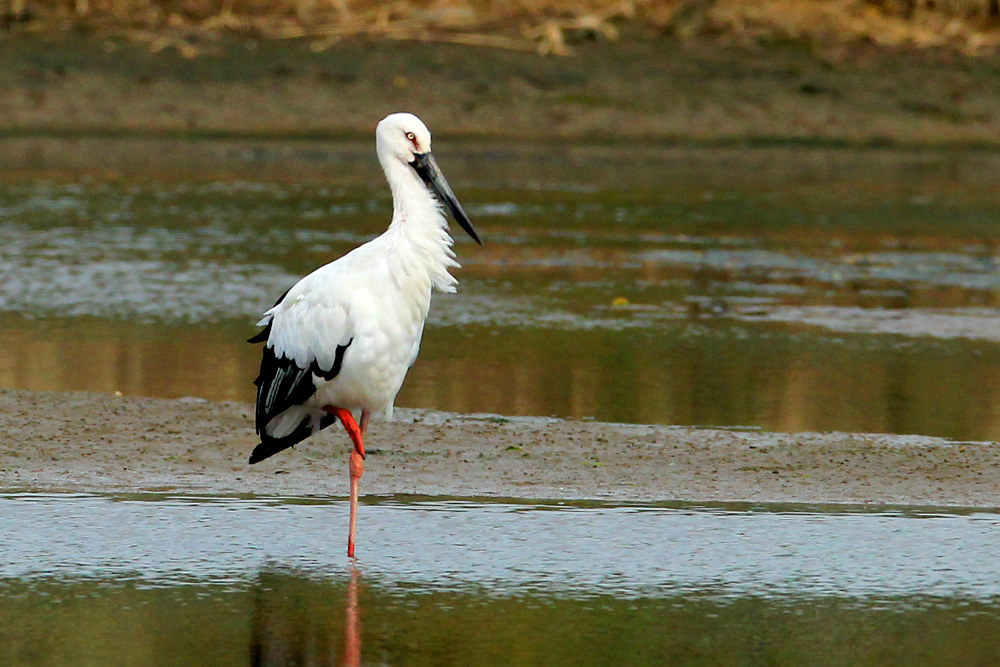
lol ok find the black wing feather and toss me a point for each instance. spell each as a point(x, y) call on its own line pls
point(282, 384)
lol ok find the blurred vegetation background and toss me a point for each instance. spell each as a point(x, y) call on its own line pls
point(547, 26)
point(842, 72)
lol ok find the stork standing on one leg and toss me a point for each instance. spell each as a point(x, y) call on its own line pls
point(341, 339)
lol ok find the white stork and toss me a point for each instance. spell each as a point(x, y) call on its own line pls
point(340, 341)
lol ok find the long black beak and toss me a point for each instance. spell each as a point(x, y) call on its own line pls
point(426, 167)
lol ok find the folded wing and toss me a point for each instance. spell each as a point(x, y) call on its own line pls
point(301, 350)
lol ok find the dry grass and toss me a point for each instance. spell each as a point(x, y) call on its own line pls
point(970, 26)
point(546, 26)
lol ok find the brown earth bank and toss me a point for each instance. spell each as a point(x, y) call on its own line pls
point(84, 442)
point(662, 89)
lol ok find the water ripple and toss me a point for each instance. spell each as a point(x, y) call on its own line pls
point(575, 551)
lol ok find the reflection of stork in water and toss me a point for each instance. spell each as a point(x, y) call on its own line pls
point(352, 624)
point(340, 341)
point(288, 625)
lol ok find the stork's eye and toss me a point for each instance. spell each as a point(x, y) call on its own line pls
point(413, 138)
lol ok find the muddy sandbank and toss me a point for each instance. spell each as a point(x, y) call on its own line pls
point(86, 442)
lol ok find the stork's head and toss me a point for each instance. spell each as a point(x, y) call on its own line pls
point(403, 138)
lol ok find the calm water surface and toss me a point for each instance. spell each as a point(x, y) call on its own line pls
point(793, 289)
point(168, 580)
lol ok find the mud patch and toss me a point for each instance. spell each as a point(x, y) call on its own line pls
point(92, 442)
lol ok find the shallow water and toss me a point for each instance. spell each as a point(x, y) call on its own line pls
point(89, 579)
point(788, 288)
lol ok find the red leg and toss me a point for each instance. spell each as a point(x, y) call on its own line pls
point(356, 464)
point(357, 468)
point(351, 426)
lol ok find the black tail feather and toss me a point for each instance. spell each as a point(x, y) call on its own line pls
point(261, 336)
point(270, 446)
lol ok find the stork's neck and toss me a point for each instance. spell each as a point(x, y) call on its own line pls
point(411, 200)
point(418, 223)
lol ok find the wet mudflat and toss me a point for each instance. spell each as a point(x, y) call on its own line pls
point(139, 580)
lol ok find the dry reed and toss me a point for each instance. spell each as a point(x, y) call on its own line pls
point(545, 26)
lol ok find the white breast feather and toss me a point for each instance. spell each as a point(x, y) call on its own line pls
point(376, 298)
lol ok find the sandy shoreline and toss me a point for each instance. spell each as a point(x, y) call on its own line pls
point(82, 442)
